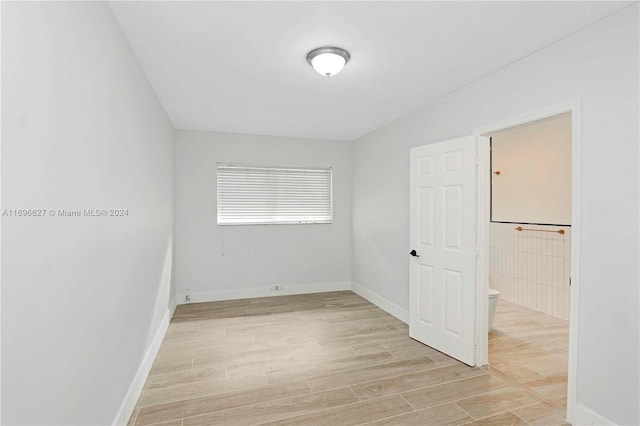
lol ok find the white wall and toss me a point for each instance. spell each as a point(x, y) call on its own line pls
point(215, 262)
point(532, 268)
point(82, 296)
point(599, 64)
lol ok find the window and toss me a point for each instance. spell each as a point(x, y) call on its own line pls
point(250, 194)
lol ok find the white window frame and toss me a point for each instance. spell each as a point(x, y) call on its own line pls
point(267, 217)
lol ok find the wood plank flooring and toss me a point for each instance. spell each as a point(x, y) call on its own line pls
point(530, 350)
point(320, 359)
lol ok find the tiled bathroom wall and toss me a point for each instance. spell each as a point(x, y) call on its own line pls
point(532, 268)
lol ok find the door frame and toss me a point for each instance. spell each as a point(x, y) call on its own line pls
point(483, 238)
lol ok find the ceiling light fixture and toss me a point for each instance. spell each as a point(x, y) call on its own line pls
point(328, 61)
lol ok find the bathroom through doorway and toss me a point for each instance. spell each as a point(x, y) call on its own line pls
point(525, 259)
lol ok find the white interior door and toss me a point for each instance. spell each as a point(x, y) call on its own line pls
point(443, 212)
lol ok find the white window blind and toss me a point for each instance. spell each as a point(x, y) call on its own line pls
point(250, 194)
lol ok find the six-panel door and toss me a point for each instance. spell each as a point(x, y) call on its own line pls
point(442, 306)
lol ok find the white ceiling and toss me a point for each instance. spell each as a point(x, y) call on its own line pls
point(240, 66)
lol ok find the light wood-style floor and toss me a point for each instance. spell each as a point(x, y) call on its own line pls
point(531, 350)
point(321, 359)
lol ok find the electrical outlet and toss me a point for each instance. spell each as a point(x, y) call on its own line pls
point(276, 288)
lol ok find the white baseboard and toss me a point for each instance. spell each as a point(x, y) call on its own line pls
point(129, 403)
point(586, 417)
point(384, 304)
point(248, 293)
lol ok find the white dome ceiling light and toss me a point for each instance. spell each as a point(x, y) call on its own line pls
point(328, 61)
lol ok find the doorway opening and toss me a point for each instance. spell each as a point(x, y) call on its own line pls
point(527, 306)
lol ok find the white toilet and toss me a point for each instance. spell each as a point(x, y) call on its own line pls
point(493, 302)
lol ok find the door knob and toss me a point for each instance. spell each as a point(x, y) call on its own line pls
point(414, 254)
